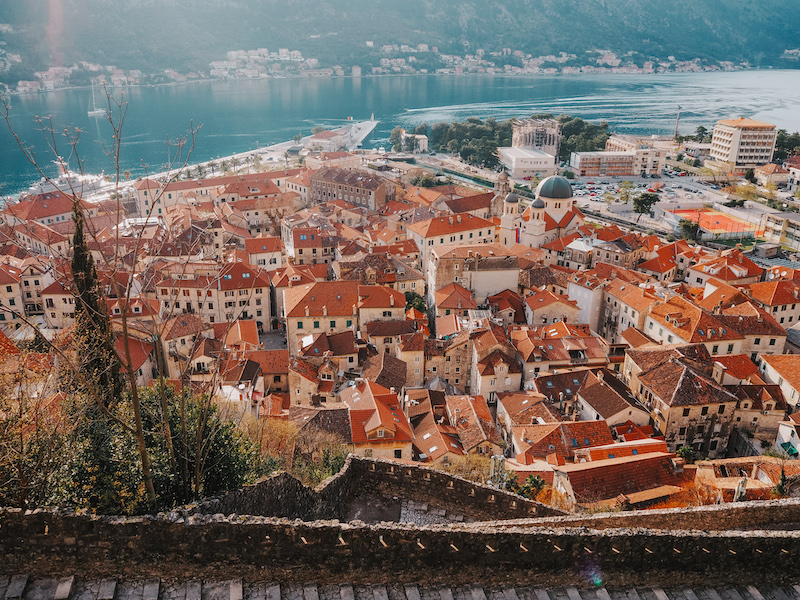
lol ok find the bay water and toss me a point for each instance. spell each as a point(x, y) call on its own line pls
point(239, 115)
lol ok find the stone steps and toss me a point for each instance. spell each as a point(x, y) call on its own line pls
point(22, 587)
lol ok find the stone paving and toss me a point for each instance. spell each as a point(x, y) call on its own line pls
point(421, 513)
point(21, 587)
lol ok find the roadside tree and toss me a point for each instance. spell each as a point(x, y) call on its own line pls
point(643, 203)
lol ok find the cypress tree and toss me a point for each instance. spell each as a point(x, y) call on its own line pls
point(101, 380)
point(93, 325)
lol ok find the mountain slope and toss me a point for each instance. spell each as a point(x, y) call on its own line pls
point(154, 34)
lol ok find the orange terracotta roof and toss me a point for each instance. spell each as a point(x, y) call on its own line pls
point(544, 298)
point(373, 407)
point(442, 226)
point(323, 298)
point(787, 366)
point(775, 293)
point(537, 441)
point(745, 122)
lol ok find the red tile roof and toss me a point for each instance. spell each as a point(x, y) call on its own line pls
point(604, 480)
point(454, 296)
point(441, 226)
point(374, 407)
point(323, 298)
point(537, 441)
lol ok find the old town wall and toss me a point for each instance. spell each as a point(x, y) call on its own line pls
point(284, 496)
point(184, 546)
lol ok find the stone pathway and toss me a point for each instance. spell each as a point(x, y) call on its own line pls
point(21, 587)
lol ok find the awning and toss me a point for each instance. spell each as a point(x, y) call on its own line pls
point(790, 449)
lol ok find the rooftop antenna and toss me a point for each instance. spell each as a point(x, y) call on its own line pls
point(677, 120)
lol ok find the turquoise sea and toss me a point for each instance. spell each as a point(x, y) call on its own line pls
point(235, 116)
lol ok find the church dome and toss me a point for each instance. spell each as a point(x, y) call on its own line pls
point(538, 203)
point(555, 188)
point(503, 176)
point(512, 198)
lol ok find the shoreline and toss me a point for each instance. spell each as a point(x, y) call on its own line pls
point(388, 75)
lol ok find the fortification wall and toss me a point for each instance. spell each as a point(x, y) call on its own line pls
point(284, 496)
point(694, 547)
point(266, 549)
point(772, 514)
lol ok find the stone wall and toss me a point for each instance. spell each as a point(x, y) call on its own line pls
point(773, 514)
point(183, 546)
point(284, 496)
point(708, 546)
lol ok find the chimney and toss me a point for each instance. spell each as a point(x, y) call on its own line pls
point(796, 293)
point(718, 372)
point(306, 309)
point(391, 300)
point(324, 310)
point(458, 218)
point(555, 459)
point(450, 220)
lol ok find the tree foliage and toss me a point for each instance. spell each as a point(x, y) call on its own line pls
point(786, 144)
point(475, 141)
point(218, 456)
point(578, 135)
point(689, 230)
point(687, 453)
point(395, 139)
point(36, 435)
point(625, 190)
point(414, 300)
point(642, 203)
point(427, 180)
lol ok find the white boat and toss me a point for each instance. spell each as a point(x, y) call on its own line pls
point(94, 111)
point(67, 182)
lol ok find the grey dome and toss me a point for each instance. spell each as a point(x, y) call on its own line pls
point(512, 198)
point(555, 187)
point(538, 203)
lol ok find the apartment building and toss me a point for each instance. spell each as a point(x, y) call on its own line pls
point(741, 144)
point(603, 164)
point(360, 188)
point(455, 230)
point(647, 160)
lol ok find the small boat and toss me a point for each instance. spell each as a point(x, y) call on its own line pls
point(94, 111)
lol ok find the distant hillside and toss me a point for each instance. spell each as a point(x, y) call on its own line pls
point(153, 34)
